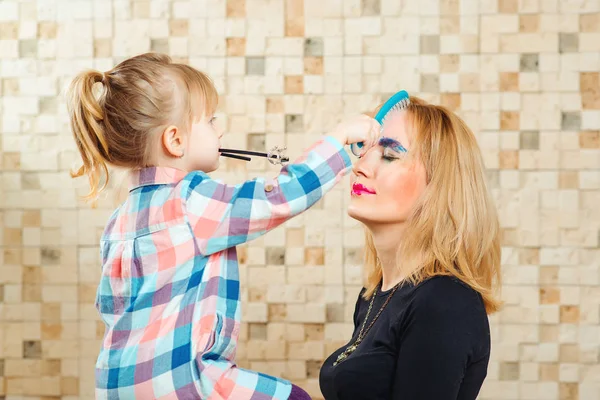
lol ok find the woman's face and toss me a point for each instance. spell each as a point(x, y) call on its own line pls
point(388, 179)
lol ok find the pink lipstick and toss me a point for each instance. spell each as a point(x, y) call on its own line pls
point(359, 190)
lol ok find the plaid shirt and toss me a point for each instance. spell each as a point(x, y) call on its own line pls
point(170, 294)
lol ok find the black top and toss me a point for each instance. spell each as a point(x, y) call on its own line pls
point(432, 341)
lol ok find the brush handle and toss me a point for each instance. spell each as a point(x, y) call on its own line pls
point(391, 103)
point(248, 152)
point(235, 156)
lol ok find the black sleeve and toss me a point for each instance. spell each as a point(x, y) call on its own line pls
point(439, 336)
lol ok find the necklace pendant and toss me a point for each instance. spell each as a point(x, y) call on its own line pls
point(346, 353)
point(340, 358)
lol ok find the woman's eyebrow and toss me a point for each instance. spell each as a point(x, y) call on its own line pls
point(391, 143)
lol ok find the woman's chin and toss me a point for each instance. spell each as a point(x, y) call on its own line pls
point(355, 213)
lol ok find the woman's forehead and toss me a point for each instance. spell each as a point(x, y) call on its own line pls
point(396, 126)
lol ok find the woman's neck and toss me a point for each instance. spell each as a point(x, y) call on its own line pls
point(387, 239)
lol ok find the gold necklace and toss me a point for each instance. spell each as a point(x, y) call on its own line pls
point(350, 349)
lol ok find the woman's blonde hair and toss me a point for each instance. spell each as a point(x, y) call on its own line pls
point(140, 97)
point(453, 229)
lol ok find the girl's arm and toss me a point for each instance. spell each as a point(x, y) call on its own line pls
point(223, 216)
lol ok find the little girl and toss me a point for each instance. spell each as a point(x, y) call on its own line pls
point(169, 293)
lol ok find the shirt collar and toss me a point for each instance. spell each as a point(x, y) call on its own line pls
point(155, 176)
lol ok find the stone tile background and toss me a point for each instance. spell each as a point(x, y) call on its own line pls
point(523, 73)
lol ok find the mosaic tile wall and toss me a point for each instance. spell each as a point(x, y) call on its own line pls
point(523, 73)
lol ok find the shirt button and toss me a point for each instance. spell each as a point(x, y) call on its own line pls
point(268, 187)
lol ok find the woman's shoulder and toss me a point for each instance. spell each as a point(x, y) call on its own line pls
point(447, 294)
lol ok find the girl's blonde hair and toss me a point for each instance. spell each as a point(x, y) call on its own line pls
point(120, 124)
point(453, 229)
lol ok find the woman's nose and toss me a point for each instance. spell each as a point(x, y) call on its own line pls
point(364, 165)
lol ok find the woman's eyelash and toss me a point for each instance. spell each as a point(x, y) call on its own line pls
point(391, 155)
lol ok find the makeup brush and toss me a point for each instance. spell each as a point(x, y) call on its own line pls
point(275, 156)
point(235, 156)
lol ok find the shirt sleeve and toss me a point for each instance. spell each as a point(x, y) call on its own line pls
point(223, 216)
point(221, 378)
point(442, 334)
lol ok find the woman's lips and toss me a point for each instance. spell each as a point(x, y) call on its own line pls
point(359, 190)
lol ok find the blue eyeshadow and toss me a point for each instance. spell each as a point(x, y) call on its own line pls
point(392, 143)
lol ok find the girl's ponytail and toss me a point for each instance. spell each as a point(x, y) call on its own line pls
point(121, 126)
point(86, 115)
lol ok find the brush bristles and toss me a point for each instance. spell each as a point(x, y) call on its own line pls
point(401, 105)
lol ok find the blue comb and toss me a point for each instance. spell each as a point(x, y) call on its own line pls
point(397, 102)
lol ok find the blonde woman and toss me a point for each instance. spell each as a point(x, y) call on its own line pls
point(433, 260)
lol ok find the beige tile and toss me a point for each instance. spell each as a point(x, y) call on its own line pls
point(294, 18)
point(589, 139)
point(449, 24)
point(590, 90)
point(69, 386)
point(294, 84)
point(51, 312)
point(549, 295)
point(549, 372)
point(568, 180)
point(509, 81)
point(314, 256)
point(451, 100)
point(449, 7)
point(509, 120)
point(313, 65)
point(509, 371)
point(141, 9)
point(236, 8)
point(569, 391)
point(449, 63)
point(47, 30)
point(178, 27)
point(314, 332)
point(549, 333)
point(529, 23)
point(508, 6)
point(236, 47)
point(277, 312)
point(569, 314)
point(50, 367)
point(589, 22)
point(274, 105)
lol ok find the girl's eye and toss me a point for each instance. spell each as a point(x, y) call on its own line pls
point(212, 120)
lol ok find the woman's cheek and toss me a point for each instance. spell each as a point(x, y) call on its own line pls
point(403, 190)
point(406, 187)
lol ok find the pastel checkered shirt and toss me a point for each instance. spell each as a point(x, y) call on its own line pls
point(170, 294)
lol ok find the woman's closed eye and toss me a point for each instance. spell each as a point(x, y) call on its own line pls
point(392, 155)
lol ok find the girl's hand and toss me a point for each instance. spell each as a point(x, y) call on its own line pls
point(362, 130)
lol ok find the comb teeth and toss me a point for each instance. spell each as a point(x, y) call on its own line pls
point(401, 105)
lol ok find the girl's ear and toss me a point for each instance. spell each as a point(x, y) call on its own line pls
point(173, 141)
